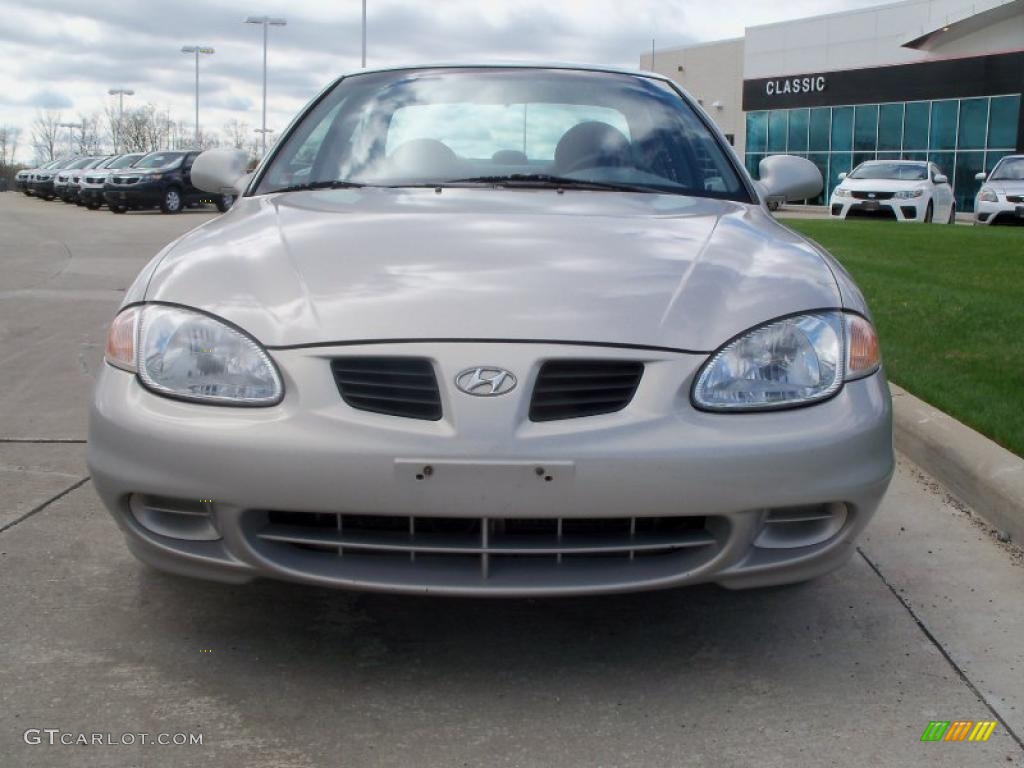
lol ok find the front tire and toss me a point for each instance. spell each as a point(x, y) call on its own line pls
point(172, 201)
point(117, 209)
point(929, 212)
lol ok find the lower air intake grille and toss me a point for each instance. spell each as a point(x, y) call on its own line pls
point(569, 389)
point(468, 550)
point(396, 386)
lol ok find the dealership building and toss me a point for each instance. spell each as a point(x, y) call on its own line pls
point(937, 80)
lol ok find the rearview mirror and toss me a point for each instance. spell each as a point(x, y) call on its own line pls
point(787, 177)
point(941, 178)
point(842, 175)
point(221, 171)
point(980, 176)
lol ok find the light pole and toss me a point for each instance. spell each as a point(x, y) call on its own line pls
point(70, 127)
point(264, 131)
point(120, 93)
point(266, 21)
point(196, 49)
point(364, 34)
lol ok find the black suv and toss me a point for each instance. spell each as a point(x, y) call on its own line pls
point(159, 180)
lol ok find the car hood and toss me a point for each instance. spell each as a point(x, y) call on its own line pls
point(1008, 187)
point(881, 185)
point(412, 264)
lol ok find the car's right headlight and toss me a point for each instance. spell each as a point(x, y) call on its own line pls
point(988, 195)
point(189, 355)
point(840, 192)
point(788, 362)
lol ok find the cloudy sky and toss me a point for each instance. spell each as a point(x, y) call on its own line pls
point(65, 54)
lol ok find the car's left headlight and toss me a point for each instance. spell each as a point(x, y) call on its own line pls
point(840, 192)
point(189, 355)
point(988, 195)
point(792, 361)
point(906, 194)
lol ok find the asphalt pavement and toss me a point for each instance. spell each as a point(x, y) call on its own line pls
point(925, 623)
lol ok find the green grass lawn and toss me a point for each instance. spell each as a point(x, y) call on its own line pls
point(948, 302)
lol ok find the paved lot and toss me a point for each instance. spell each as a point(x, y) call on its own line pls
point(926, 623)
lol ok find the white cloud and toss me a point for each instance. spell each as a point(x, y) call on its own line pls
point(65, 54)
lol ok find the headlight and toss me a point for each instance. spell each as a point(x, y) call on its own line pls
point(840, 192)
point(988, 195)
point(906, 194)
point(188, 355)
point(793, 361)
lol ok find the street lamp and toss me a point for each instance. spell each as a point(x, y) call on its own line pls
point(196, 49)
point(264, 131)
point(120, 93)
point(364, 34)
point(266, 21)
point(70, 127)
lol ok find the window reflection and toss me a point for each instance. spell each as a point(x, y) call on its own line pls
point(962, 136)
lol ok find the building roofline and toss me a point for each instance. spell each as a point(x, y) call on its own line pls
point(699, 44)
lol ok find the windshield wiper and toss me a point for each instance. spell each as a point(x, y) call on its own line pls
point(551, 180)
point(319, 185)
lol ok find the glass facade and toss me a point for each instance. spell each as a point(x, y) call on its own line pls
point(961, 136)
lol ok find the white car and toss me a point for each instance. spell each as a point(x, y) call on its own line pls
point(905, 190)
point(1001, 199)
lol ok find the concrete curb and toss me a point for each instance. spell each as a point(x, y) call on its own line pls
point(981, 473)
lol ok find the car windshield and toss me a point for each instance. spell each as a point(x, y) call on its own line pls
point(896, 171)
point(1010, 169)
point(82, 162)
point(124, 162)
point(159, 160)
point(96, 162)
point(504, 126)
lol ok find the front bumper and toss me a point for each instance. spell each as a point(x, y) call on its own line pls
point(313, 457)
point(1000, 212)
point(91, 194)
point(912, 209)
point(143, 194)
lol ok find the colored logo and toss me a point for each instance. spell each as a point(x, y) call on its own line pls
point(958, 730)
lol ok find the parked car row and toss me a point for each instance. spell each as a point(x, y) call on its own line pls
point(908, 190)
point(123, 182)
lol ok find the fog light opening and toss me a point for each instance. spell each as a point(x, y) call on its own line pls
point(803, 526)
point(188, 519)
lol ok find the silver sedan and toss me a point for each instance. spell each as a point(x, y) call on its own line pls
point(494, 331)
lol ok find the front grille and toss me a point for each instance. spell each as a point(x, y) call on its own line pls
point(1015, 198)
point(125, 179)
point(468, 550)
point(569, 389)
point(873, 195)
point(396, 386)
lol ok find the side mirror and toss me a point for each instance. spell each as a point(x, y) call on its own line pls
point(787, 177)
point(221, 171)
point(941, 178)
point(842, 175)
point(980, 176)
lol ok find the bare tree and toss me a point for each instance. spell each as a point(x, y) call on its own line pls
point(45, 134)
point(237, 133)
point(9, 136)
point(87, 135)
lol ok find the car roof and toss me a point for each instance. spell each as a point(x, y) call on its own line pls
point(510, 65)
